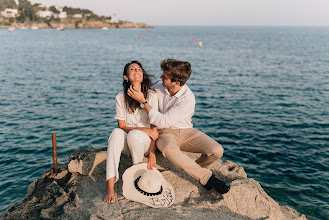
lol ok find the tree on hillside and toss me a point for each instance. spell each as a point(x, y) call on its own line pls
point(53, 9)
point(26, 11)
point(7, 4)
point(86, 11)
point(73, 11)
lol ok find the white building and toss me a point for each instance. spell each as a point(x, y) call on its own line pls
point(45, 14)
point(77, 16)
point(62, 15)
point(9, 13)
point(114, 19)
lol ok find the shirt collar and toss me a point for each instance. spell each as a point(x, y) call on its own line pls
point(179, 93)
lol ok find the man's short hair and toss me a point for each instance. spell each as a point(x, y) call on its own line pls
point(178, 71)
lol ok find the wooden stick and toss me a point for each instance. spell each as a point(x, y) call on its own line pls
point(54, 152)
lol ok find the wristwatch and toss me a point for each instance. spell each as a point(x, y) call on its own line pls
point(142, 105)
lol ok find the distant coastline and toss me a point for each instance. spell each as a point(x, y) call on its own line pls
point(72, 24)
point(29, 15)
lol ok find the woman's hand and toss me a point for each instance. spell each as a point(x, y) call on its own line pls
point(151, 161)
point(153, 134)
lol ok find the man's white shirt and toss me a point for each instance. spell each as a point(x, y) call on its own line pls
point(174, 111)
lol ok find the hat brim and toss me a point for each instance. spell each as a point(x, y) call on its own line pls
point(165, 199)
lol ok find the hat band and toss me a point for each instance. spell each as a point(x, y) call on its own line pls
point(146, 193)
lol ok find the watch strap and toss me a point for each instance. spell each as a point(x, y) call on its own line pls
point(143, 104)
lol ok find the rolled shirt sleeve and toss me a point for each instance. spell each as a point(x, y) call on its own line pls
point(153, 100)
point(152, 113)
point(120, 109)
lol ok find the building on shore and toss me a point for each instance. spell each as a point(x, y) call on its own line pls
point(45, 14)
point(114, 19)
point(77, 16)
point(10, 13)
point(62, 15)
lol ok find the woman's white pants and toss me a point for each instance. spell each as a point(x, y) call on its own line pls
point(136, 143)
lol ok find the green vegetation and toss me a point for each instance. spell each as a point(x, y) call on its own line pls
point(26, 11)
point(53, 9)
point(73, 11)
point(7, 4)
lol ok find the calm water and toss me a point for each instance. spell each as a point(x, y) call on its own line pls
point(263, 94)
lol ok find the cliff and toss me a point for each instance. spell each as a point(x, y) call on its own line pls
point(77, 192)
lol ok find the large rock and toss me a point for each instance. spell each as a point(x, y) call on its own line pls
point(77, 192)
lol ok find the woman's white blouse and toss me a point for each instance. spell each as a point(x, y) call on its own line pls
point(139, 118)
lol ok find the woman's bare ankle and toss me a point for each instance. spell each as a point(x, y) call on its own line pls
point(109, 196)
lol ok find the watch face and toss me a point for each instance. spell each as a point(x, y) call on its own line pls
point(142, 105)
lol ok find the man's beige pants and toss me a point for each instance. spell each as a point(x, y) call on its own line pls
point(172, 142)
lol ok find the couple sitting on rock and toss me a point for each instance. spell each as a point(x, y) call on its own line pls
point(161, 117)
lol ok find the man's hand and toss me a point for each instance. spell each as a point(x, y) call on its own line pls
point(151, 133)
point(151, 162)
point(136, 95)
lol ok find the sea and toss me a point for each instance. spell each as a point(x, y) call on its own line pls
point(262, 92)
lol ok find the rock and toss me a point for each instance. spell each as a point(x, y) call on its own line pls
point(77, 192)
point(86, 160)
point(248, 198)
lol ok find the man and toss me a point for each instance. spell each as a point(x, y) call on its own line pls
point(176, 132)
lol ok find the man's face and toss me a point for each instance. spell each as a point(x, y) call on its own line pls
point(166, 81)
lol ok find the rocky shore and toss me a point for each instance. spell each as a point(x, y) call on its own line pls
point(77, 191)
point(70, 23)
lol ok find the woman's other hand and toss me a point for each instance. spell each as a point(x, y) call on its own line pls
point(151, 161)
point(153, 134)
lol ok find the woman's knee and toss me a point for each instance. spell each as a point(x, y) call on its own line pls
point(117, 137)
point(117, 133)
point(137, 136)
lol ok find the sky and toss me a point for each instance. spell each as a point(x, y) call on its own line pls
point(209, 12)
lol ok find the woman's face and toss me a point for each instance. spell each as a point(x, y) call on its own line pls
point(135, 73)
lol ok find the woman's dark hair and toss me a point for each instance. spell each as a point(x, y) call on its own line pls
point(146, 84)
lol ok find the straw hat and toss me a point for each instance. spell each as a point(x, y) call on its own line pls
point(147, 187)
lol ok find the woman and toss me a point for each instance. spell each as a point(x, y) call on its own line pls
point(135, 136)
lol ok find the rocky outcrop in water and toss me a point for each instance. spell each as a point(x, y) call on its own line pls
point(77, 192)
